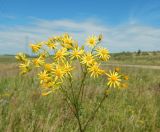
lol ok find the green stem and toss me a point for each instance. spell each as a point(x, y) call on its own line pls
point(81, 89)
point(74, 104)
point(82, 86)
point(71, 87)
point(79, 122)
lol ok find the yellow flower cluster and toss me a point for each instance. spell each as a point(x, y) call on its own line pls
point(55, 58)
point(25, 63)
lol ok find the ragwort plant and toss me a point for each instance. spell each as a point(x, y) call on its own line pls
point(55, 60)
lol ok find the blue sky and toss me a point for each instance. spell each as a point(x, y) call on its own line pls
point(127, 25)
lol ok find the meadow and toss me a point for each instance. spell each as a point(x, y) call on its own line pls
point(138, 58)
point(136, 109)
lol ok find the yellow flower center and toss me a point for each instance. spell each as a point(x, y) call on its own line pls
point(36, 62)
point(88, 58)
point(95, 69)
point(51, 45)
point(92, 41)
point(103, 52)
point(75, 53)
point(67, 41)
point(114, 78)
point(58, 73)
point(48, 67)
point(59, 55)
point(43, 77)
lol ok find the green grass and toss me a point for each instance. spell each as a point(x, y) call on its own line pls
point(136, 109)
point(145, 58)
point(5, 59)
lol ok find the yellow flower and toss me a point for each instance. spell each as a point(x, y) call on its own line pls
point(46, 84)
point(58, 72)
point(36, 47)
point(113, 79)
point(43, 55)
point(76, 53)
point(57, 38)
point(117, 69)
point(68, 68)
point(43, 76)
point(103, 53)
point(60, 54)
point(25, 67)
point(48, 67)
point(87, 59)
point(50, 87)
point(67, 41)
point(51, 44)
point(21, 57)
point(38, 62)
point(92, 41)
point(95, 70)
point(52, 84)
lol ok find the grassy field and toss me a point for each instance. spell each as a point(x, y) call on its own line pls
point(137, 109)
point(143, 58)
point(7, 59)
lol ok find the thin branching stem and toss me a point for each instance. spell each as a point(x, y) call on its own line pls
point(75, 111)
point(81, 88)
point(82, 85)
point(71, 87)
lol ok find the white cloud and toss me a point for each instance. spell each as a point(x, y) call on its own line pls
point(127, 37)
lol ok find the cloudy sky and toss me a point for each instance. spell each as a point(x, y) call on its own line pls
point(127, 25)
